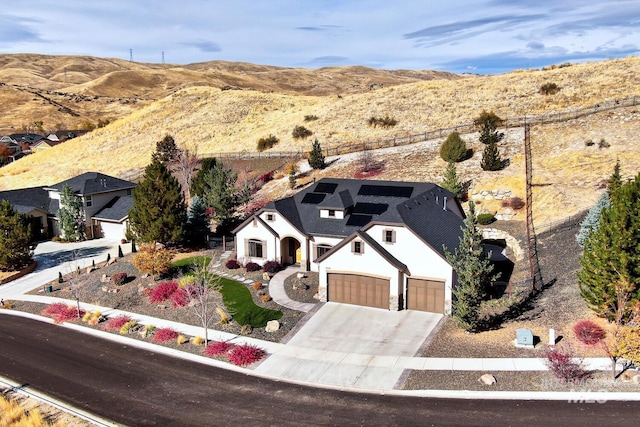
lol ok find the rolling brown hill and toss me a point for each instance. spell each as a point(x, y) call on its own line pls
point(66, 92)
point(205, 118)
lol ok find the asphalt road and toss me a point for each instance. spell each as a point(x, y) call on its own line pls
point(138, 388)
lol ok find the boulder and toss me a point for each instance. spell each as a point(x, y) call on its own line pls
point(272, 326)
point(105, 289)
point(104, 278)
point(265, 276)
point(487, 379)
point(301, 275)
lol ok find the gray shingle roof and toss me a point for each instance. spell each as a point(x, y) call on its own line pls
point(93, 183)
point(34, 197)
point(116, 210)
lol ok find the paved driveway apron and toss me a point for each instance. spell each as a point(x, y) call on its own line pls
point(360, 347)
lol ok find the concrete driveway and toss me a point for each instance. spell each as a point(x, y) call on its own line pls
point(364, 330)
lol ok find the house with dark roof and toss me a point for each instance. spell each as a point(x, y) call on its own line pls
point(373, 243)
point(106, 201)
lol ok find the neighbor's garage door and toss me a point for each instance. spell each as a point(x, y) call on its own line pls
point(359, 290)
point(112, 231)
point(425, 295)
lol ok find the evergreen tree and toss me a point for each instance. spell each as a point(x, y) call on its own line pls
point(453, 148)
point(609, 279)
point(292, 178)
point(451, 181)
point(615, 180)
point(159, 212)
point(166, 150)
point(488, 123)
point(316, 158)
point(15, 236)
point(592, 219)
point(220, 194)
point(198, 186)
point(197, 228)
point(71, 215)
point(474, 273)
point(491, 160)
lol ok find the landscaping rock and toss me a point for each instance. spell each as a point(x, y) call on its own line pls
point(105, 289)
point(272, 326)
point(104, 278)
point(301, 275)
point(487, 379)
point(265, 276)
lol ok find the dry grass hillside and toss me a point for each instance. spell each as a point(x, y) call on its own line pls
point(212, 120)
point(65, 92)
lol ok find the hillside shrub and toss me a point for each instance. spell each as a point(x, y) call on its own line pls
point(603, 143)
point(588, 332)
point(486, 218)
point(119, 279)
point(252, 266)
point(232, 264)
point(164, 335)
point(515, 203)
point(267, 142)
point(549, 89)
point(566, 366)
point(267, 176)
point(301, 132)
point(116, 323)
point(271, 267)
point(163, 291)
point(310, 117)
point(246, 354)
point(454, 148)
point(217, 348)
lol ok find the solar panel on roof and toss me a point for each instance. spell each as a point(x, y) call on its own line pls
point(359, 220)
point(326, 187)
point(385, 191)
point(313, 198)
point(370, 208)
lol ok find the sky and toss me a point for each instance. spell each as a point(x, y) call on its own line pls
point(460, 36)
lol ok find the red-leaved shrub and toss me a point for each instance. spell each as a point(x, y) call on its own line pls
point(566, 366)
point(181, 297)
point(61, 312)
point(588, 332)
point(267, 176)
point(164, 335)
point(232, 264)
point(217, 348)
point(252, 266)
point(271, 267)
point(163, 291)
point(116, 323)
point(246, 354)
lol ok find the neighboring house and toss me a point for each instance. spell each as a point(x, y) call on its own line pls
point(106, 202)
point(44, 144)
point(63, 135)
point(373, 243)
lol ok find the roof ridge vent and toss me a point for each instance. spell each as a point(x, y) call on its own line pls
point(444, 205)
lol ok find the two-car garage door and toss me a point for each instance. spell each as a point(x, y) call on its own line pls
point(358, 290)
point(425, 295)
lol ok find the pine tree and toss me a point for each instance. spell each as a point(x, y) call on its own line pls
point(451, 181)
point(71, 215)
point(198, 186)
point(609, 279)
point(592, 219)
point(166, 150)
point(15, 236)
point(220, 194)
point(159, 212)
point(488, 123)
point(615, 180)
point(453, 148)
point(197, 228)
point(316, 158)
point(474, 273)
point(292, 178)
point(491, 160)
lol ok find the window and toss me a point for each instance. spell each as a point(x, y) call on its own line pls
point(389, 236)
point(332, 213)
point(255, 249)
point(129, 192)
point(271, 217)
point(357, 247)
point(321, 250)
point(88, 201)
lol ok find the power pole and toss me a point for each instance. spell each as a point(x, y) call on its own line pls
point(130, 55)
point(163, 57)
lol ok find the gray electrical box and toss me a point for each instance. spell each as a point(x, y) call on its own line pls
point(524, 338)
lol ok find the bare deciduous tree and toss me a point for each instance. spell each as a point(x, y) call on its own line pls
point(202, 291)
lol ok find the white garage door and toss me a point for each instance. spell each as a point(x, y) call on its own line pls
point(112, 231)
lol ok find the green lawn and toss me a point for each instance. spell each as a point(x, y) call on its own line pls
point(236, 297)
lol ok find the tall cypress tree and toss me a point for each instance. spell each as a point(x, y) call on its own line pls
point(609, 279)
point(71, 215)
point(197, 228)
point(159, 211)
point(15, 236)
point(491, 160)
point(316, 158)
point(474, 273)
point(592, 220)
point(451, 181)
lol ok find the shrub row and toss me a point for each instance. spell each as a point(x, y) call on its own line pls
point(268, 267)
point(61, 312)
point(239, 355)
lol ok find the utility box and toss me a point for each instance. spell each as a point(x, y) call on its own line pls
point(524, 338)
